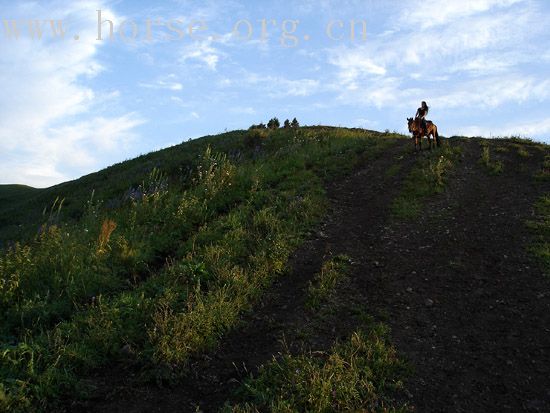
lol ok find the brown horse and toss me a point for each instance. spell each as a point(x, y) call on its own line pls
point(418, 131)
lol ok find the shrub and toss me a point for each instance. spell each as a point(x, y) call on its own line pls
point(273, 123)
point(255, 137)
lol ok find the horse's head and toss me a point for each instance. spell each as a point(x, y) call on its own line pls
point(411, 123)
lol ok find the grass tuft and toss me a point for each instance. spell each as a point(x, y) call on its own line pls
point(428, 177)
point(541, 231)
point(357, 375)
point(324, 283)
point(494, 167)
point(544, 173)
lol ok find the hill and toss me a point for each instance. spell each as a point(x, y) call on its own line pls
point(377, 278)
point(23, 209)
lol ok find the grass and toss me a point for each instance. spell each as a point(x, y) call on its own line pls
point(522, 152)
point(541, 231)
point(324, 283)
point(21, 217)
point(393, 170)
point(357, 375)
point(544, 173)
point(154, 267)
point(428, 177)
point(494, 167)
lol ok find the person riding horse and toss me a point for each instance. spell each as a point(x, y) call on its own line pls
point(421, 127)
point(421, 114)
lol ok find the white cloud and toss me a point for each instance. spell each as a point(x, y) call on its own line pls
point(51, 127)
point(202, 52)
point(536, 127)
point(286, 87)
point(491, 92)
point(178, 101)
point(243, 110)
point(168, 82)
point(487, 64)
point(367, 123)
point(354, 65)
point(278, 86)
point(430, 13)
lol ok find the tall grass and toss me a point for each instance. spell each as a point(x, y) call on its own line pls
point(544, 172)
point(428, 177)
point(357, 375)
point(540, 228)
point(324, 283)
point(494, 167)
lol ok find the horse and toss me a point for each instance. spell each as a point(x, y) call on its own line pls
point(415, 127)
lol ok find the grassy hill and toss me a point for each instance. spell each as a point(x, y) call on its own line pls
point(135, 275)
point(14, 193)
point(23, 209)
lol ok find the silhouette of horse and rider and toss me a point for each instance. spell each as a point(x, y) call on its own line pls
point(421, 127)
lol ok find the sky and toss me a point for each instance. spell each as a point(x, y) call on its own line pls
point(75, 98)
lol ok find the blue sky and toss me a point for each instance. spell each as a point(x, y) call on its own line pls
point(72, 105)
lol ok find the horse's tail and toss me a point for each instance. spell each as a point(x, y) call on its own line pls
point(437, 137)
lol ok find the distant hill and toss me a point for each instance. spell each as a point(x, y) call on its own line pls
point(23, 209)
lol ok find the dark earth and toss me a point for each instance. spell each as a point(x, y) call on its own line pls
point(467, 304)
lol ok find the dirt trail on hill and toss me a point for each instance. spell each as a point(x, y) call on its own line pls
point(467, 306)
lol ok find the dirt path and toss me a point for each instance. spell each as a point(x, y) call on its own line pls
point(467, 306)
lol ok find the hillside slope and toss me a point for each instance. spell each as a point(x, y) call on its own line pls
point(467, 303)
point(155, 274)
point(281, 247)
point(23, 209)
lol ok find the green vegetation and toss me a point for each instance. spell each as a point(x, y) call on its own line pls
point(524, 153)
point(22, 216)
point(160, 257)
point(544, 172)
point(541, 230)
point(10, 193)
point(357, 375)
point(273, 123)
point(332, 271)
point(393, 170)
point(494, 167)
point(428, 177)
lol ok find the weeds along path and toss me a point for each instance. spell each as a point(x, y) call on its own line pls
point(359, 209)
point(467, 305)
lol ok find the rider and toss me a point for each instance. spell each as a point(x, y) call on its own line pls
point(421, 114)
